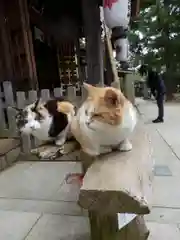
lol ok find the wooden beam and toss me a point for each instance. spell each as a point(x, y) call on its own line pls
point(92, 28)
point(28, 43)
point(135, 8)
point(120, 182)
point(114, 185)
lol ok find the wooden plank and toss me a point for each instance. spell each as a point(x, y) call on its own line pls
point(25, 139)
point(45, 95)
point(6, 53)
point(21, 99)
point(28, 43)
point(8, 93)
point(58, 92)
point(9, 99)
point(92, 27)
point(71, 93)
point(32, 97)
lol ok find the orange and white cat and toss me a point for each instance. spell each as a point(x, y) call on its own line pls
point(104, 122)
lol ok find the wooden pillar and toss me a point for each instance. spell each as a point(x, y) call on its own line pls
point(102, 227)
point(109, 77)
point(92, 28)
point(5, 47)
point(28, 43)
point(129, 90)
point(145, 91)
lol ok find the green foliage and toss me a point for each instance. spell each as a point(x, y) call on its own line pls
point(155, 36)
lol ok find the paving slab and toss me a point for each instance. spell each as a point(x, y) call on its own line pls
point(51, 207)
point(164, 218)
point(39, 181)
point(166, 192)
point(163, 231)
point(162, 170)
point(16, 225)
point(164, 215)
point(55, 227)
point(35, 196)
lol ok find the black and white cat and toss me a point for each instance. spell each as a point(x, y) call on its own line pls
point(47, 121)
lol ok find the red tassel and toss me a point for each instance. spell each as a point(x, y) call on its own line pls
point(75, 177)
point(109, 3)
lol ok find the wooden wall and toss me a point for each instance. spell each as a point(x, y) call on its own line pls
point(16, 42)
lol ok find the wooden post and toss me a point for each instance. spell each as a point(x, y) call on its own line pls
point(129, 91)
point(108, 68)
point(145, 91)
point(5, 50)
point(102, 227)
point(28, 44)
point(92, 28)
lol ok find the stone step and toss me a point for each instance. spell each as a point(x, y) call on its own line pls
point(9, 152)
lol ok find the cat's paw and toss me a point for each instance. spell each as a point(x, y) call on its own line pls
point(125, 146)
point(90, 152)
point(60, 142)
point(35, 151)
point(51, 153)
point(105, 150)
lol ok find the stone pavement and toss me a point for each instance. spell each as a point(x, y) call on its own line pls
point(37, 204)
point(164, 220)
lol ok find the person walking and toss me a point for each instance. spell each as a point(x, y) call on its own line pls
point(156, 84)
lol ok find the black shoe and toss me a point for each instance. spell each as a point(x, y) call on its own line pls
point(158, 120)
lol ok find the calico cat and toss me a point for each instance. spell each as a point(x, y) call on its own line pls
point(48, 121)
point(104, 121)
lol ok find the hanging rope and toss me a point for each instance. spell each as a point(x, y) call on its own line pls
point(116, 81)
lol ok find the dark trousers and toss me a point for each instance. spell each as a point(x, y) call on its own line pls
point(160, 104)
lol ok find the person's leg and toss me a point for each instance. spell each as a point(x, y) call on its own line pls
point(160, 104)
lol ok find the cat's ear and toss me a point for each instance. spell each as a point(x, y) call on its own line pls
point(37, 103)
point(111, 98)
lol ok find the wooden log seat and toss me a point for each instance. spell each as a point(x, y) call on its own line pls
point(120, 182)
